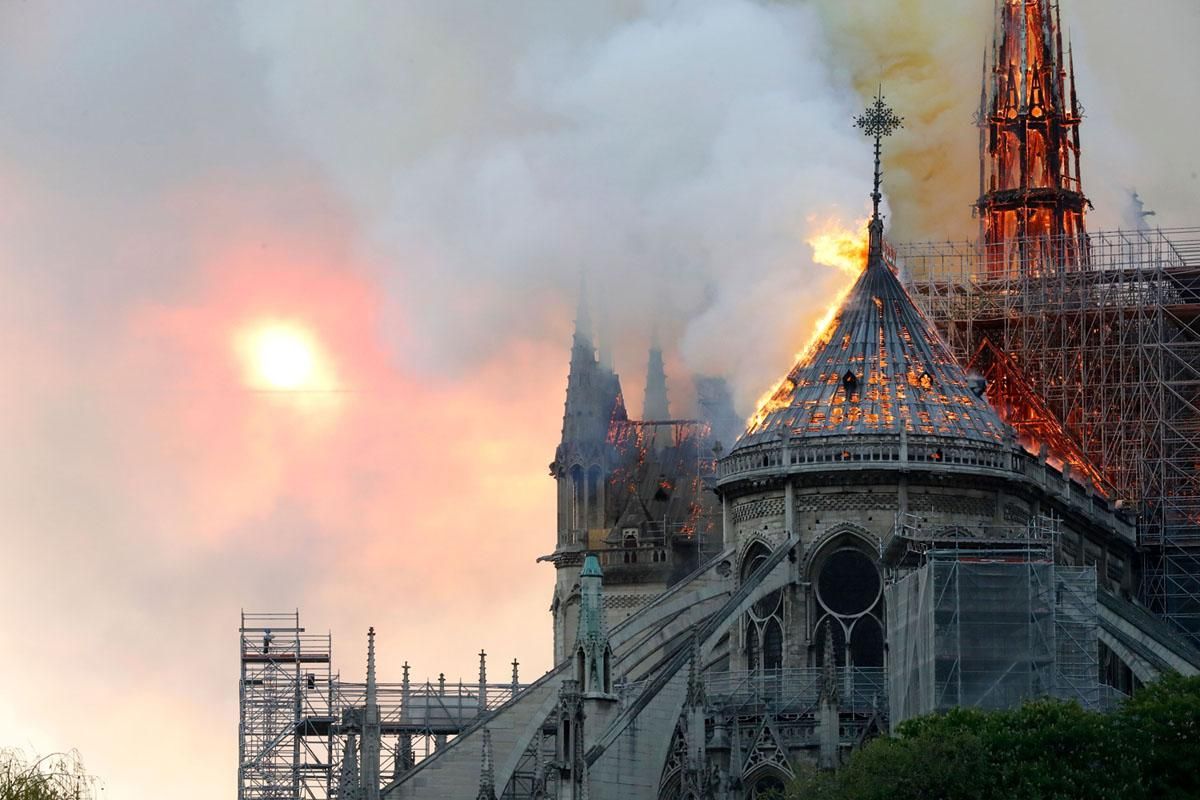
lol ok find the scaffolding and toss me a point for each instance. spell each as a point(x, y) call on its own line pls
point(301, 727)
point(1111, 344)
point(992, 628)
point(285, 739)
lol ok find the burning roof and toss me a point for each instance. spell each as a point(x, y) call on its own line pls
point(880, 366)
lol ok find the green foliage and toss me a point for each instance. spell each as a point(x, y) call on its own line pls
point(56, 777)
point(1045, 750)
point(1162, 722)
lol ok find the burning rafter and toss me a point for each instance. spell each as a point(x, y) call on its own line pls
point(1014, 398)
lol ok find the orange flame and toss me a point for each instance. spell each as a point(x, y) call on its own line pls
point(833, 245)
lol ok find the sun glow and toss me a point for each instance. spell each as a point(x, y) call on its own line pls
point(282, 357)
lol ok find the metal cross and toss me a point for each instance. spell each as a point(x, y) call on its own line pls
point(878, 121)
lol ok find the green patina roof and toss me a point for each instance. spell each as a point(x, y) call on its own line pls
point(591, 568)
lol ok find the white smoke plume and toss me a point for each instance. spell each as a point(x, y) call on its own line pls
point(677, 153)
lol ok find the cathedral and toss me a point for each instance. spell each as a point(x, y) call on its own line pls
point(884, 538)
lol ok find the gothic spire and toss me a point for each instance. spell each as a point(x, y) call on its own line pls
point(372, 698)
point(878, 121)
point(592, 635)
point(655, 407)
point(371, 740)
point(1031, 206)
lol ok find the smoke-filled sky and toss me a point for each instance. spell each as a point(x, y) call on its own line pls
point(286, 291)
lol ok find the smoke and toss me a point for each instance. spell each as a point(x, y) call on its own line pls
point(678, 154)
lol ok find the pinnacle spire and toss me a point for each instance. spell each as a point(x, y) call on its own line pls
point(372, 698)
point(878, 121)
point(371, 739)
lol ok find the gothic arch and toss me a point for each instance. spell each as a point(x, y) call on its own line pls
point(766, 768)
point(670, 785)
point(846, 598)
point(751, 547)
point(859, 536)
point(763, 624)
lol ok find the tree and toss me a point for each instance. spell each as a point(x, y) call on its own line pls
point(59, 776)
point(1162, 723)
point(1044, 750)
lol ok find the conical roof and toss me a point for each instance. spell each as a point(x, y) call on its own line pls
point(878, 368)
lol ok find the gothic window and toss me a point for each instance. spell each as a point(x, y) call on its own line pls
point(849, 599)
point(763, 624)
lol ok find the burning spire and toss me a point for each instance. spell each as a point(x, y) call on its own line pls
point(1031, 203)
point(879, 366)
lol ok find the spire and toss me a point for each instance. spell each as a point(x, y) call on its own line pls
point(487, 775)
point(1031, 207)
point(593, 391)
point(372, 735)
point(655, 407)
point(592, 637)
point(877, 121)
point(372, 698)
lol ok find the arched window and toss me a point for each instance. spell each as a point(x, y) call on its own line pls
point(849, 598)
point(763, 624)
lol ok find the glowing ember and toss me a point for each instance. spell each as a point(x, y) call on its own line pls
point(282, 357)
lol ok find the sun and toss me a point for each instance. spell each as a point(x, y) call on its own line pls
point(281, 356)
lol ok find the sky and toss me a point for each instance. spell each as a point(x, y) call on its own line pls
point(286, 294)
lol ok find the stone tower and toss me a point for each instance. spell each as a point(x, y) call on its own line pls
point(631, 492)
point(1031, 204)
point(581, 467)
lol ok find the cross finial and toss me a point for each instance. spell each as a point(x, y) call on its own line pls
point(878, 121)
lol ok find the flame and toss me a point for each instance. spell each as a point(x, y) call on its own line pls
point(836, 245)
point(833, 245)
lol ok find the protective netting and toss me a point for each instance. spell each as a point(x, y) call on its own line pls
point(991, 630)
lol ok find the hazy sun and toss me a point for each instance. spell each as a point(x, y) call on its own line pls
point(281, 356)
